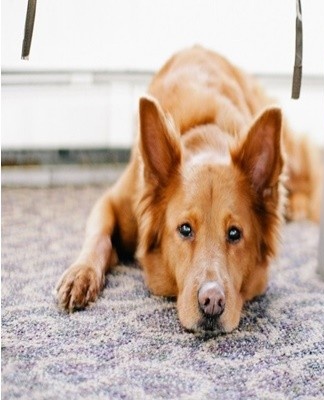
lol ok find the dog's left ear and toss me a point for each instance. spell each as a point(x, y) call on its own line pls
point(159, 142)
point(260, 155)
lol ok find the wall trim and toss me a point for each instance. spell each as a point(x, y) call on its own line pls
point(67, 77)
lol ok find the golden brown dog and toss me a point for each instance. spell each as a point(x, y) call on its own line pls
point(202, 199)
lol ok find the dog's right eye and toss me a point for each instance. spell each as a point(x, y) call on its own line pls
point(185, 231)
point(234, 235)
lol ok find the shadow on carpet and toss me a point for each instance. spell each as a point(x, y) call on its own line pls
point(130, 345)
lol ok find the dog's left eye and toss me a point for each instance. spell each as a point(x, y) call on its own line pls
point(185, 231)
point(234, 234)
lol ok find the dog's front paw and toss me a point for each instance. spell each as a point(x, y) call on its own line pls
point(78, 286)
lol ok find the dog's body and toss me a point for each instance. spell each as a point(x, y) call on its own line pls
point(202, 199)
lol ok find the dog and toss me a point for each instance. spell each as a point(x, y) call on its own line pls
point(214, 172)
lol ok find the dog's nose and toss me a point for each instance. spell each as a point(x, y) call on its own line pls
point(211, 298)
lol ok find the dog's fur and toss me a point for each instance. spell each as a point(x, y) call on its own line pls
point(202, 199)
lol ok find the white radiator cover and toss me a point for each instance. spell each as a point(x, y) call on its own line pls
point(89, 114)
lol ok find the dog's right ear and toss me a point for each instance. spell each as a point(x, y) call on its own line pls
point(159, 142)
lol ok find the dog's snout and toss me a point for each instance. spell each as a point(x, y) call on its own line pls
point(211, 298)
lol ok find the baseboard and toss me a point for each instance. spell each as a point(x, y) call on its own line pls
point(64, 156)
point(63, 167)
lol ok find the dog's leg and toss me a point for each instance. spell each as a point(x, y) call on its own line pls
point(304, 173)
point(82, 282)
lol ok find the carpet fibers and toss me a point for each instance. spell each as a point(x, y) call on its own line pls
point(130, 345)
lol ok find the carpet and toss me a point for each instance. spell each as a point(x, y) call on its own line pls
point(130, 345)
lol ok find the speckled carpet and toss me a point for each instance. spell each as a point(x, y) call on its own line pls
point(129, 345)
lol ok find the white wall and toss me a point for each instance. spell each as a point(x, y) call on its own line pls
point(82, 37)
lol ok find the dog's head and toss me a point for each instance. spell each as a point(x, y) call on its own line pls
point(208, 221)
